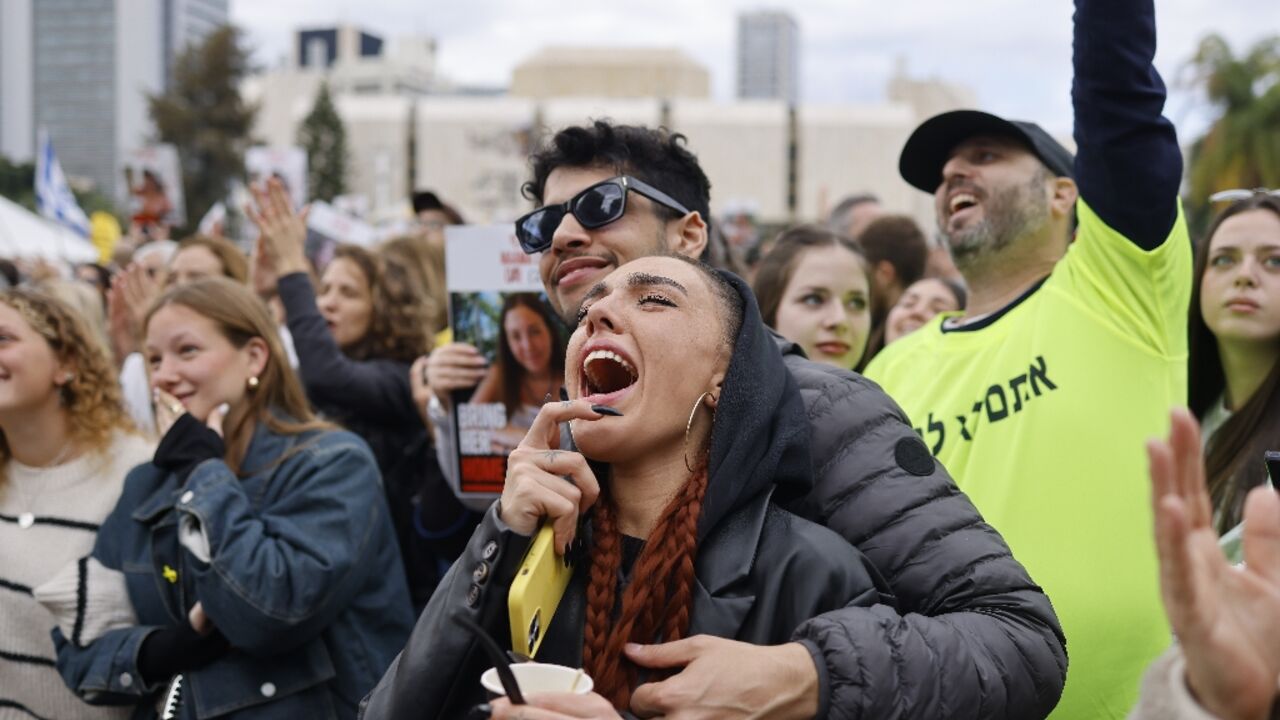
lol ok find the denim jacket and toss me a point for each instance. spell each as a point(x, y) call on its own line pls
point(304, 579)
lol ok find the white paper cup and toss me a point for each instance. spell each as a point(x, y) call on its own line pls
point(540, 678)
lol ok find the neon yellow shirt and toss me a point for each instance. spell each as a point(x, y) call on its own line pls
point(1041, 413)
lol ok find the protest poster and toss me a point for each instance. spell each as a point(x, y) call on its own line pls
point(154, 181)
point(286, 164)
point(497, 304)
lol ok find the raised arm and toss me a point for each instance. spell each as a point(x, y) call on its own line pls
point(1128, 164)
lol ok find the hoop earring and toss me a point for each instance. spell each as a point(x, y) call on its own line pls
point(689, 426)
point(253, 382)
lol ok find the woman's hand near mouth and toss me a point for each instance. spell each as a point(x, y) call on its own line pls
point(546, 482)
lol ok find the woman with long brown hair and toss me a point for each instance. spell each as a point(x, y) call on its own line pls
point(254, 547)
point(814, 289)
point(678, 396)
point(65, 447)
point(356, 340)
point(1234, 363)
point(529, 367)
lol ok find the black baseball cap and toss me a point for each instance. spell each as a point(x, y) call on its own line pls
point(930, 146)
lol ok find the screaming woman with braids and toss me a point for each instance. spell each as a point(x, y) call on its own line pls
point(681, 407)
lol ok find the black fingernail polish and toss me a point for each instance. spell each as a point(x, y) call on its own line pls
point(606, 410)
point(481, 711)
point(564, 394)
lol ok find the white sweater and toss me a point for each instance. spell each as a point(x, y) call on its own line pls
point(68, 502)
point(1165, 695)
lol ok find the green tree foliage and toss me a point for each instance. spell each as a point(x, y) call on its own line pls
point(18, 183)
point(203, 115)
point(1242, 147)
point(324, 138)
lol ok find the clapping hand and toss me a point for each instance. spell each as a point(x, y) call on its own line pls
point(1227, 619)
point(129, 298)
point(282, 235)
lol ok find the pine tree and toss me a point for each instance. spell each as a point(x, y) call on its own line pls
point(324, 138)
point(203, 115)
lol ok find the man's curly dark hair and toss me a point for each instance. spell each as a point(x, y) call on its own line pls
point(655, 156)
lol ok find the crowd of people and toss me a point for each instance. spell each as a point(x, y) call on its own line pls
point(228, 485)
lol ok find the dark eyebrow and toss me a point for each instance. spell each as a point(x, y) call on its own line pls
point(643, 279)
point(596, 291)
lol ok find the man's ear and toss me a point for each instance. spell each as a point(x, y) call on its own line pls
point(1065, 193)
point(688, 237)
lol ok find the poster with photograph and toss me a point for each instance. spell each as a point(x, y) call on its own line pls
point(496, 303)
point(288, 164)
point(153, 178)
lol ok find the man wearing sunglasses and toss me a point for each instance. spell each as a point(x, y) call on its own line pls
point(970, 636)
point(1040, 395)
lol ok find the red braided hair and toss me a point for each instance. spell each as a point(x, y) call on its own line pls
point(655, 606)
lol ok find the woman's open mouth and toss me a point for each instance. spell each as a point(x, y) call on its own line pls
point(607, 376)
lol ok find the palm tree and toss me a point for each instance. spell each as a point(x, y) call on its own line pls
point(1241, 149)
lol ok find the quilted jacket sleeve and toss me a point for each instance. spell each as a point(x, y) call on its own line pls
point(972, 635)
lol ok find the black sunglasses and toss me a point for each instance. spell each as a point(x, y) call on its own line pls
point(594, 207)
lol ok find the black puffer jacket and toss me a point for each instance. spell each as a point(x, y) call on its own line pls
point(971, 636)
point(760, 570)
point(372, 399)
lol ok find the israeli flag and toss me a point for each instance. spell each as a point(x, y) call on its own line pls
point(53, 195)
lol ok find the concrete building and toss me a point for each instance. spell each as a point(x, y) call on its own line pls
point(559, 72)
point(187, 22)
point(927, 96)
point(378, 134)
point(83, 69)
point(768, 56)
point(374, 84)
point(474, 153)
point(785, 163)
point(352, 61)
point(743, 148)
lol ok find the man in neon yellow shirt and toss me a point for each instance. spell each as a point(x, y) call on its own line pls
point(1039, 396)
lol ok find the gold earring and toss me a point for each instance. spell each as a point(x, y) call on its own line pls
point(253, 382)
point(689, 426)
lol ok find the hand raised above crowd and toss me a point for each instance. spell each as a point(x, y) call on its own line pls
point(1227, 620)
point(282, 236)
point(130, 296)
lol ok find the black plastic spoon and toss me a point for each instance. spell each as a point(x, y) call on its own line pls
point(497, 657)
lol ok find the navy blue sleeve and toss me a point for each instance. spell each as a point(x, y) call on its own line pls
point(1128, 164)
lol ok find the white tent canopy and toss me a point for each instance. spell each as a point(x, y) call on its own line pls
point(23, 234)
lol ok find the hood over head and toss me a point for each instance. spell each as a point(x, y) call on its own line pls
point(760, 437)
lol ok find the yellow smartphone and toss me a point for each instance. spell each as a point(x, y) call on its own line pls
point(536, 591)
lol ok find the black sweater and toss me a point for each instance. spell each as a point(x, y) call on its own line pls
point(373, 399)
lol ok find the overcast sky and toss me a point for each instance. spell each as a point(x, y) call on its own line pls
point(1015, 54)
